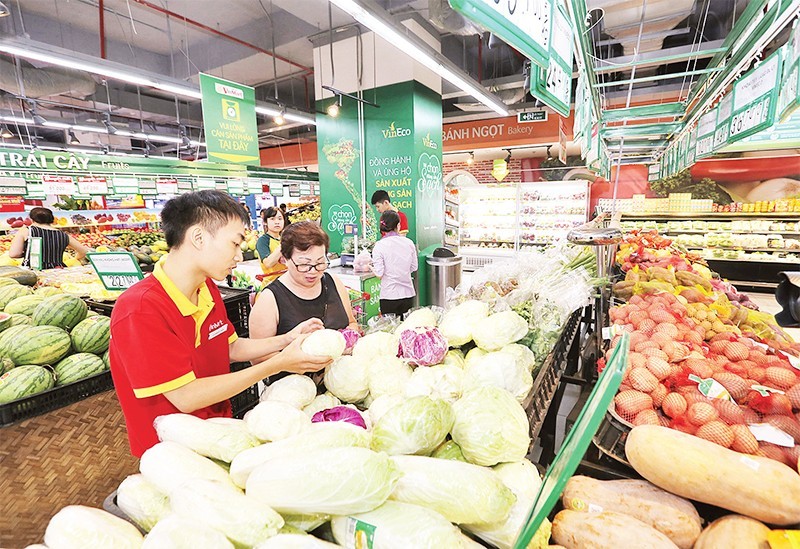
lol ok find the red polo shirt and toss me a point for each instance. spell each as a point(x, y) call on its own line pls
point(161, 341)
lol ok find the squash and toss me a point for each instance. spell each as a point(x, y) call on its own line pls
point(606, 530)
point(734, 531)
point(23, 276)
point(697, 469)
point(671, 515)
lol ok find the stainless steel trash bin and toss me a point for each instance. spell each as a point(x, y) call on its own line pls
point(443, 272)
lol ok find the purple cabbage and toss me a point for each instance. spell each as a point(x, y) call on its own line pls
point(351, 337)
point(340, 413)
point(422, 346)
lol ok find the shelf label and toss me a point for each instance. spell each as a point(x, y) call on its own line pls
point(117, 270)
point(125, 185)
point(203, 183)
point(92, 185)
point(755, 97)
point(167, 186)
point(13, 186)
point(58, 184)
point(147, 187)
point(524, 26)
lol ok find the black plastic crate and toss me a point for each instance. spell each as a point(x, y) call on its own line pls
point(247, 399)
point(52, 399)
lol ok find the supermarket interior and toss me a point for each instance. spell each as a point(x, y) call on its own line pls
point(382, 274)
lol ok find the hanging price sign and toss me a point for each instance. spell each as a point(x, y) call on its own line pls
point(755, 99)
point(58, 184)
point(723, 121)
point(92, 185)
point(705, 134)
point(553, 84)
point(117, 270)
point(789, 96)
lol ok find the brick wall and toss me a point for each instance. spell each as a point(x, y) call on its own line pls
point(482, 170)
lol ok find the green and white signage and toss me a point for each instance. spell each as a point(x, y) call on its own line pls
point(524, 26)
point(723, 121)
point(789, 96)
point(706, 127)
point(553, 85)
point(229, 120)
point(755, 99)
point(117, 270)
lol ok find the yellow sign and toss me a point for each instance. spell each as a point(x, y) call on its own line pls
point(500, 169)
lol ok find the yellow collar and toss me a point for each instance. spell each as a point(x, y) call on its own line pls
point(185, 306)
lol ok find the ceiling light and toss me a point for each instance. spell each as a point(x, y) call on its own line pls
point(333, 109)
point(73, 139)
point(378, 20)
point(279, 119)
point(37, 119)
point(471, 159)
point(5, 133)
point(4, 11)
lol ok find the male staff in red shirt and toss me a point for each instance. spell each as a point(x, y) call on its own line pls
point(171, 340)
point(383, 203)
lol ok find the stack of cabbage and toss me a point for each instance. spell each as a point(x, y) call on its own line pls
point(424, 451)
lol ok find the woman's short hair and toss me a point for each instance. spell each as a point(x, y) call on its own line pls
point(389, 221)
point(42, 215)
point(269, 213)
point(302, 236)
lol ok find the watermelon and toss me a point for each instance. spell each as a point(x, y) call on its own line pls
point(24, 381)
point(11, 292)
point(24, 305)
point(78, 366)
point(5, 365)
point(39, 345)
point(91, 335)
point(20, 320)
point(5, 321)
point(46, 291)
point(62, 310)
point(7, 336)
point(21, 276)
point(107, 361)
point(7, 281)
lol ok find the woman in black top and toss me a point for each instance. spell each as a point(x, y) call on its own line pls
point(305, 291)
point(54, 241)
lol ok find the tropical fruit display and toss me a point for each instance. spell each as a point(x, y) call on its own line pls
point(92, 335)
point(63, 311)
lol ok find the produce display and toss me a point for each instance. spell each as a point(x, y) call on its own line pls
point(46, 339)
point(308, 212)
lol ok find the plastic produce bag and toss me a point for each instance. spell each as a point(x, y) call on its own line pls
point(210, 439)
point(499, 369)
point(422, 346)
point(416, 426)
point(77, 527)
point(167, 465)
point(334, 481)
point(498, 330)
point(244, 520)
point(362, 263)
point(458, 324)
point(461, 492)
point(295, 389)
point(142, 501)
point(175, 532)
point(274, 420)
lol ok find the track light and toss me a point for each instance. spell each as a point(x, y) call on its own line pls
point(73, 139)
point(38, 119)
point(508, 157)
point(471, 159)
point(279, 118)
point(4, 11)
point(549, 156)
point(5, 133)
point(334, 108)
point(107, 123)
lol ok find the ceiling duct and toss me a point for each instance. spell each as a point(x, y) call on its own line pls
point(47, 81)
point(621, 19)
point(447, 19)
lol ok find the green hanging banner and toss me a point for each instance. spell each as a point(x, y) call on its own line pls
point(755, 99)
point(723, 121)
point(229, 120)
point(705, 134)
point(553, 85)
point(789, 96)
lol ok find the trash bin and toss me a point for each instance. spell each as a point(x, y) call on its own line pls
point(444, 271)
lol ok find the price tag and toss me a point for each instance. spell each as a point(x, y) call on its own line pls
point(706, 128)
point(167, 186)
point(755, 98)
point(125, 185)
point(117, 270)
point(92, 185)
point(553, 84)
point(764, 432)
point(58, 184)
point(12, 186)
point(360, 534)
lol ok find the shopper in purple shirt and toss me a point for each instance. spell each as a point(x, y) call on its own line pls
point(394, 258)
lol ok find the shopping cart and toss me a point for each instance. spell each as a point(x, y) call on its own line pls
point(358, 301)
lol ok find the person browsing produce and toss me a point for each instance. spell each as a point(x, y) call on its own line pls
point(394, 258)
point(171, 340)
point(53, 240)
point(305, 291)
point(268, 245)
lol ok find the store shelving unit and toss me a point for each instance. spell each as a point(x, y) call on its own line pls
point(451, 218)
point(749, 249)
point(497, 221)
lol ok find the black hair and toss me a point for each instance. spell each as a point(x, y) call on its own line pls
point(209, 208)
point(269, 213)
point(389, 221)
point(380, 196)
point(42, 215)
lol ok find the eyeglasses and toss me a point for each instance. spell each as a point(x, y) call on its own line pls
point(306, 268)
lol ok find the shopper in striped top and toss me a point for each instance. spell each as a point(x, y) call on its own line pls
point(54, 241)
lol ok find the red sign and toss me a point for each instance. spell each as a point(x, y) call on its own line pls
point(92, 185)
point(12, 204)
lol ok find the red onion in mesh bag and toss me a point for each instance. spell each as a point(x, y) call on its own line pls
point(340, 413)
point(351, 337)
point(422, 346)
